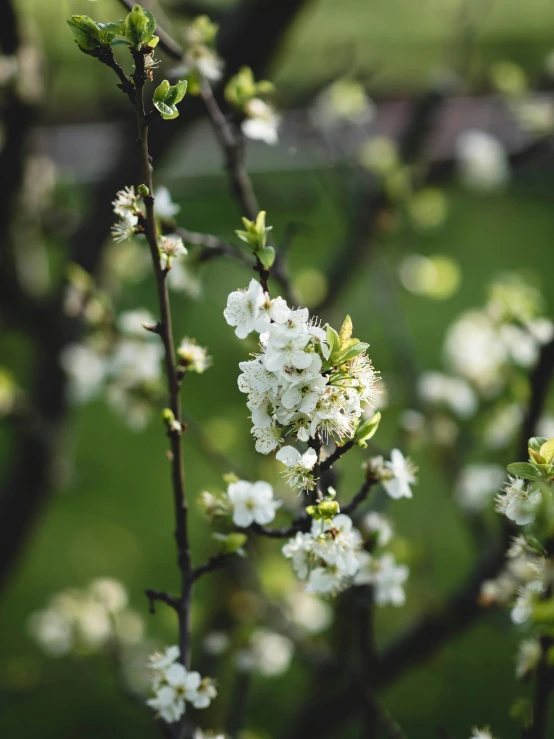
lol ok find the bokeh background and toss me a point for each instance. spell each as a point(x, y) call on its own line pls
point(108, 513)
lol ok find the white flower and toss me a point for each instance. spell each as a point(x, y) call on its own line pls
point(165, 207)
point(476, 485)
point(252, 503)
point(243, 309)
point(528, 657)
point(173, 684)
point(399, 475)
point(482, 160)
point(298, 466)
point(452, 392)
point(474, 349)
point(388, 580)
point(303, 395)
point(298, 550)
point(338, 544)
point(110, 593)
point(519, 502)
point(311, 614)
point(125, 227)
point(171, 247)
point(86, 368)
point(168, 704)
point(135, 361)
point(261, 122)
point(125, 202)
point(268, 653)
point(325, 580)
point(379, 526)
point(165, 659)
point(267, 439)
point(483, 733)
point(201, 59)
point(53, 631)
point(131, 322)
point(522, 609)
point(192, 356)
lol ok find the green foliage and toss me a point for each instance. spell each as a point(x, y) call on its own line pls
point(167, 97)
point(242, 88)
point(367, 430)
point(139, 28)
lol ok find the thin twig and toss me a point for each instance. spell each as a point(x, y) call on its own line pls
point(329, 461)
point(214, 563)
point(160, 595)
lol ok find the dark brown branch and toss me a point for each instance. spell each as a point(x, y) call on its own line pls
point(214, 563)
point(166, 334)
point(329, 461)
point(159, 595)
point(359, 498)
point(105, 55)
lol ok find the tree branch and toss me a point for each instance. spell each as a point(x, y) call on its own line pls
point(166, 334)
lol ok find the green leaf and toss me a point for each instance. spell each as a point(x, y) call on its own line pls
point(180, 88)
point(536, 442)
point(167, 112)
point(345, 332)
point(86, 32)
point(333, 340)
point(345, 355)
point(140, 24)
point(160, 93)
point(266, 256)
point(108, 31)
point(525, 470)
point(366, 430)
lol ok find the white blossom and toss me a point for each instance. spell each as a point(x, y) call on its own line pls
point(398, 475)
point(379, 526)
point(445, 390)
point(173, 686)
point(252, 503)
point(477, 484)
point(171, 247)
point(519, 501)
point(261, 122)
point(268, 653)
point(483, 733)
point(86, 369)
point(298, 466)
point(193, 357)
point(386, 577)
point(482, 160)
point(528, 657)
point(126, 227)
point(165, 207)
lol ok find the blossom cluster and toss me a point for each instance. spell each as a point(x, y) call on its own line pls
point(485, 351)
point(127, 364)
point(174, 686)
point(306, 381)
point(88, 620)
point(525, 583)
point(331, 557)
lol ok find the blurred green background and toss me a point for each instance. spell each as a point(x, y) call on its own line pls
point(112, 515)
